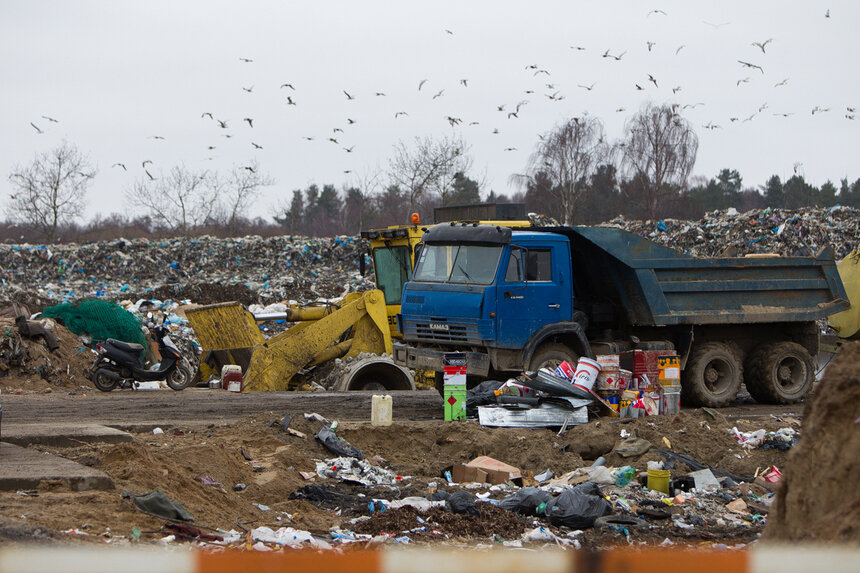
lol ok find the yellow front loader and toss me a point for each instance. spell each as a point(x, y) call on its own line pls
point(355, 327)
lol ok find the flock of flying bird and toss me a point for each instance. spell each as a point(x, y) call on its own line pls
point(550, 90)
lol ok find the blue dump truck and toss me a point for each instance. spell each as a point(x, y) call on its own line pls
point(520, 299)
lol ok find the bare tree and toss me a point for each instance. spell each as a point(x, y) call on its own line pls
point(238, 192)
point(178, 200)
point(428, 169)
point(566, 157)
point(51, 190)
point(659, 150)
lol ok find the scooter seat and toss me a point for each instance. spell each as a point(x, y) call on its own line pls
point(125, 346)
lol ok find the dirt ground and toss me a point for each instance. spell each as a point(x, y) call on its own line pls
point(177, 460)
point(818, 499)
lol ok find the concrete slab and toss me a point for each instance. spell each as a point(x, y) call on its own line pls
point(21, 468)
point(62, 435)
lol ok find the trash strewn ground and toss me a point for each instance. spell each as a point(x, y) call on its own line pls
point(204, 469)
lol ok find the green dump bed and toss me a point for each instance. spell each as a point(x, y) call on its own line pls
point(647, 284)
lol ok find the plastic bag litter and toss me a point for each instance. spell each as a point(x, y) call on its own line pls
point(526, 501)
point(337, 445)
point(578, 507)
point(419, 503)
point(462, 502)
point(440, 495)
point(157, 503)
point(481, 395)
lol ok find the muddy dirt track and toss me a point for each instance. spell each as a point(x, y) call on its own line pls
point(200, 405)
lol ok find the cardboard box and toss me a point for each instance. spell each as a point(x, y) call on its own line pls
point(484, 469)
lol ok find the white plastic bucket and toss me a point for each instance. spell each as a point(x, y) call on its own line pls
point(586, 374)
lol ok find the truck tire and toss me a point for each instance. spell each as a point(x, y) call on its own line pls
point(551, 355)
point(712, 377)
point(780, 373)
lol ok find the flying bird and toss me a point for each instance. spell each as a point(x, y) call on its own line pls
point(36, 128)
point(638, 87)
point(222, 124)
point(349, 149)
point(851, 109)
point(308, 138)
point(521, 104)
point(205, 113)
point(589, 88)
point(749, 65)
point(681, 47)
point(676, 89)
point(541, 72)
point(249, 168)
point(249, 90)
point(761, 45)
point(447, 31)
point(743, 81)
point(250, 121)
point(51, 119)
point(784, 114)
point(380, 94)
point(652, 80)
point(827, 15)
point(578, 48)
point(512, 114)
point(156, 137)
point(348, 97)
point(657, 12)
point(120, 165)
point(211, 147)
point(464, 82)
point(148, 174)
point(399, 113)
point(145, 161)
point(782, 83)
point(421, 84)
point(290, 101)
point(336, 129)
point(716, 25)
point(620, 109)
point(510, 149)
point(288, 86)
point(256, 146)
point(439, 93)
point(246, 60)
point(453, 120)
point(819, 109)
point(350, 121)
point(650, 45)
point(749, 118)
point(333, 140)
point(797, 165)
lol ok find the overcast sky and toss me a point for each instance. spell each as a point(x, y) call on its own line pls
point(116, 74)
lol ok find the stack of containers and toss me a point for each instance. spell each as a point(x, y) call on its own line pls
point(670, 383)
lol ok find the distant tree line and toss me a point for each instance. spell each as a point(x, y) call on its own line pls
point(574, 174)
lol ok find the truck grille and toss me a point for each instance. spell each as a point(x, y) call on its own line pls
point(455, 333)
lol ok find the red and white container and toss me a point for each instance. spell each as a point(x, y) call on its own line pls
point(586, 374)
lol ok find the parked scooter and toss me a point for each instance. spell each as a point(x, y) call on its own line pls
point(119, 364)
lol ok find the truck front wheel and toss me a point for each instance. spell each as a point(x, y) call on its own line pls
point(712, 376)
point(780, 373)
point(551, 355)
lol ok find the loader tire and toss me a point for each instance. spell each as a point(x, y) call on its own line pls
point(712, 376)
point(780, 373)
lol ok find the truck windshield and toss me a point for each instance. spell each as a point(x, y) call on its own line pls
point(475, 264)
point(393, 269)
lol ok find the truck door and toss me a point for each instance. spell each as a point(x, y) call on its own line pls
point(531, 294)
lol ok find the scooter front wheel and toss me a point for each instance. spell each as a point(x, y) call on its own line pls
point(180, 377)
point(103, 381)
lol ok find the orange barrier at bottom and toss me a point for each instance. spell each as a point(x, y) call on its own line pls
point(759, 558)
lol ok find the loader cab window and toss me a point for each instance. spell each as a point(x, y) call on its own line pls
point(393, 269)
point(514, 274)
point(539, 265)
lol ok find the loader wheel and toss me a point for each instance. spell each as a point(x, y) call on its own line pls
point(712, 376)
point(551, 355)
point(780, 373)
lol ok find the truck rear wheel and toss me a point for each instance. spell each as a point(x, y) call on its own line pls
point(780, 373)
point(551, 355)
point(712, 376)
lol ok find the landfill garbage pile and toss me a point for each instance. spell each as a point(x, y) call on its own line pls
point(818, 499)
point(800, 232)
point(275, 268)
point(419, 483)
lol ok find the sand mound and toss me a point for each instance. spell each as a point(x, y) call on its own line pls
point(818, 498)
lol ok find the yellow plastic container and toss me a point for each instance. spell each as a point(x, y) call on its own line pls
point(658, 480)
